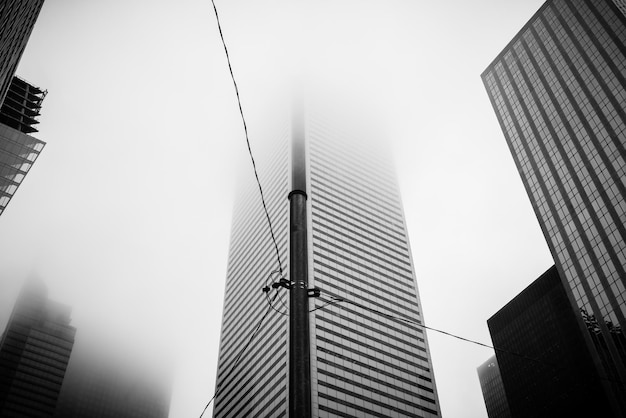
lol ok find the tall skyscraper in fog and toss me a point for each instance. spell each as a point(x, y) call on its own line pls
point(362, 363)
point(34, 353)
point(559, 92)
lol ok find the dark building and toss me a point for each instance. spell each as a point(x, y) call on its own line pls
point(559, 92)
point(552, 372)
point(18, 150)
point(34, 353)
point(17, 19)
point(362, 363)
point(493, 389)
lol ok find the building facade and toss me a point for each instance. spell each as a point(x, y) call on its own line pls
point(18, 149)
point(493, 389)
point(552, 372)
point(34, 353)
point(17, 19)
point(559, 92)
point(363, 361)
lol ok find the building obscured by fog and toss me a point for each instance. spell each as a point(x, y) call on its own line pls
point(34, 354)
point(105, 381)
point(493, 389)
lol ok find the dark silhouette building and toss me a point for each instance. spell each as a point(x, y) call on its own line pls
point(559, 92)
point(493, 389)
point(34, 353)
point(552, 372)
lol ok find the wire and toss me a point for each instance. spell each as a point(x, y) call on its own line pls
point(331, 302)
point(232, 369)
point(245, 128)
point(271, 305)
point(338, 300)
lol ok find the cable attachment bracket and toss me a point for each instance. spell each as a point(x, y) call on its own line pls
point(314, 293)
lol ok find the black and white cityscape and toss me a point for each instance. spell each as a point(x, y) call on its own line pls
point(312, 209)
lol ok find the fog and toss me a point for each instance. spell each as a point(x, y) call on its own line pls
point(126, 213)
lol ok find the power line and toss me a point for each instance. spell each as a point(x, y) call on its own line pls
point(335, 300)
point(232, 369)
point(412, 321)
point(245, 128)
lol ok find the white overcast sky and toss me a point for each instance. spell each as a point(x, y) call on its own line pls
point(126, 213)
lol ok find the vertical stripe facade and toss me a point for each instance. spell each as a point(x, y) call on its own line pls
point(559, 92)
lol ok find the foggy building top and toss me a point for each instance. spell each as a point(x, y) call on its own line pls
point(362, 363)
point(493, 389)
point(34, 353)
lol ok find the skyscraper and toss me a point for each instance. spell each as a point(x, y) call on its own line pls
point(493, 389)
point(34, 353)
point(559, 89)
point(552, 373)
point(17, 19)
point(20, 100)
point(18, 151)
point(362, 361)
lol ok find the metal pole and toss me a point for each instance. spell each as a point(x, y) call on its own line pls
point(299, 349)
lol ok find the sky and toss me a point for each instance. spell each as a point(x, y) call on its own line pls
point(126, 213)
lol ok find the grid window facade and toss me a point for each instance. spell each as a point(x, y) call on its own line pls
point(17, 19)
point(18, 153)
point(559, 90)
point(34, 352)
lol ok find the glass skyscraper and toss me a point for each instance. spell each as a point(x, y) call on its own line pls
point(493, 389)
point(20, 100)
point(18, 151)
point(362, 363)
point(552, 373)
point(559, 92)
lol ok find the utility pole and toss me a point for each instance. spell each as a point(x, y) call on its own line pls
point(299, 344)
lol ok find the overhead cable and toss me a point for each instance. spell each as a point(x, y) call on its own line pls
point(232, 369)
point(245, 128)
